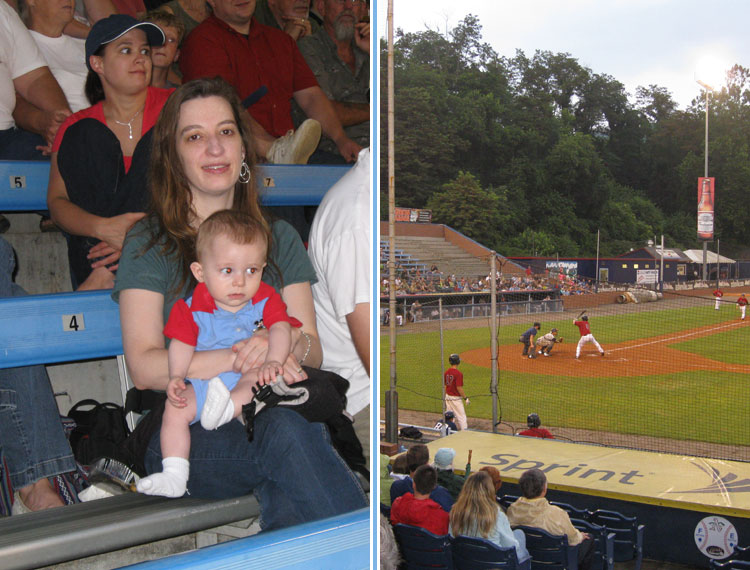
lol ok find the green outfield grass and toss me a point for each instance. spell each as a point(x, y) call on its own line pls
point(706, 406)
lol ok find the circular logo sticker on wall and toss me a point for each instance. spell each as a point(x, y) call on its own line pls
point(715, 537)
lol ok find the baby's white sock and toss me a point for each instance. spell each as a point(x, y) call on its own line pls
point(218, 408)
point(171, 482)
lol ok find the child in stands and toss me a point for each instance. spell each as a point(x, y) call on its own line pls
point(227, 306)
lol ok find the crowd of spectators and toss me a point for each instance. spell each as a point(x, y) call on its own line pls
point(414, 281)
point(469, 505)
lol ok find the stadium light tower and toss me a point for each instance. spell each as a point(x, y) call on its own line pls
point(708, 76)
point(707, 89)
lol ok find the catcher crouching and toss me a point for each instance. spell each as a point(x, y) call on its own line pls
point(546, 342)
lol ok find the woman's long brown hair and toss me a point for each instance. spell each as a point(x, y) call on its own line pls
point(475, 507)
point(171, 205)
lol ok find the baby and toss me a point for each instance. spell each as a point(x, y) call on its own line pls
point(229, 303)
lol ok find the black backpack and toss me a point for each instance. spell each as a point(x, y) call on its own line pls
point(100, 431)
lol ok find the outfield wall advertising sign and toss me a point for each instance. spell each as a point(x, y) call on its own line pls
point(413, 215)
point(706, 208)
point(647, 276)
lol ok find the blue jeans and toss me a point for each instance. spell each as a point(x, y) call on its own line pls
point(31, 434)
point(290, 466)
point(18, 144)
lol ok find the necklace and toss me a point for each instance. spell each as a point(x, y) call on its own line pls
point(129, 124)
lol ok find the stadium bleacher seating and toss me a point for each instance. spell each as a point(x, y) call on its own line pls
point(66, 327)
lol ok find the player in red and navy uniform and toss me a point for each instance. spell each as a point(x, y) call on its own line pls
point(586, 336)
point(453, 380)
point(718, 294)
point(533, 422)
point(742, 304)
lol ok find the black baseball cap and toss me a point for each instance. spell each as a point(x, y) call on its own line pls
point(112, 27)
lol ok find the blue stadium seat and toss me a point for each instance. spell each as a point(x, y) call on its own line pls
point(23, 184)
point(423, 550)
point(507, 500)
point(471, 553)
point(548, 551)
point(573, 512)
point(628, 535)
point(603, 557)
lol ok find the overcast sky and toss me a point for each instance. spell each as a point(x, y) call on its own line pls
point(638, 42)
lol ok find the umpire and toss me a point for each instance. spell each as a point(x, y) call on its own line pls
point(528, 339)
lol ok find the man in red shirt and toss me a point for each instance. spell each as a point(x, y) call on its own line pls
point(742, 304)
point(249, 56)
point(718, 294)
point(586, 336)
point(418, 509)
point(533, 422)
point(454, 391)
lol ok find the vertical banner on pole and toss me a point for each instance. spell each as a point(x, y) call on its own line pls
point(706, 208)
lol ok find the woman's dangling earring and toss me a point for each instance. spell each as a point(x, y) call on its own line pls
point(244, 172)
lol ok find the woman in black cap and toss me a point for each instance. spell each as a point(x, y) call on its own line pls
point(97, 186)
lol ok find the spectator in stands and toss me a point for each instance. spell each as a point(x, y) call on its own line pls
point(132, 8)
point(534, 510)
point(224, 308)
point(390, 557)
point(249, 55)
point(339, 56)
point(31, 434)
point(476, 513)
point(446, 477)
point(534, 430)
point(165, 56)
point(97, 185)
point(65, 55)
point(200, 144)
point(339, 250)
point(290, 16)
point(32, 119)
point(189, 12)
point(417, 508)
point(494, 474)
point(400, 467)
point(416, 456)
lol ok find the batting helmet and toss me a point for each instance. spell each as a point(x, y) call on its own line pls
point(533, 421)
point(585, 318)
point(449, 415)
point(454, 359)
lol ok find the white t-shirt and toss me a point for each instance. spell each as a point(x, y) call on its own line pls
point(340, 249)
point(66, 58)
point(18, 56)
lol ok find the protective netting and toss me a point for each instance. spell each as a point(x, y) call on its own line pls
point(675, 376)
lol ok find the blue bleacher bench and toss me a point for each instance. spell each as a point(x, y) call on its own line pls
point(23, 184)
point(71, 327)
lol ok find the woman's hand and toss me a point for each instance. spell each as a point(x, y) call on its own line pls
point(251, 352)
point(113, 230)
point(100, 278)
point(104, 254)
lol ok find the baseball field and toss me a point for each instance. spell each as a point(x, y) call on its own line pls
point(675, 370)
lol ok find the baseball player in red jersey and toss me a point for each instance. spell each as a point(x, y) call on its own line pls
point(742, 303)
point(454, 391)
point(586, 336)
point(718, 294)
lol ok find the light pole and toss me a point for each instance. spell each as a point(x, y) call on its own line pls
point(708, 88)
